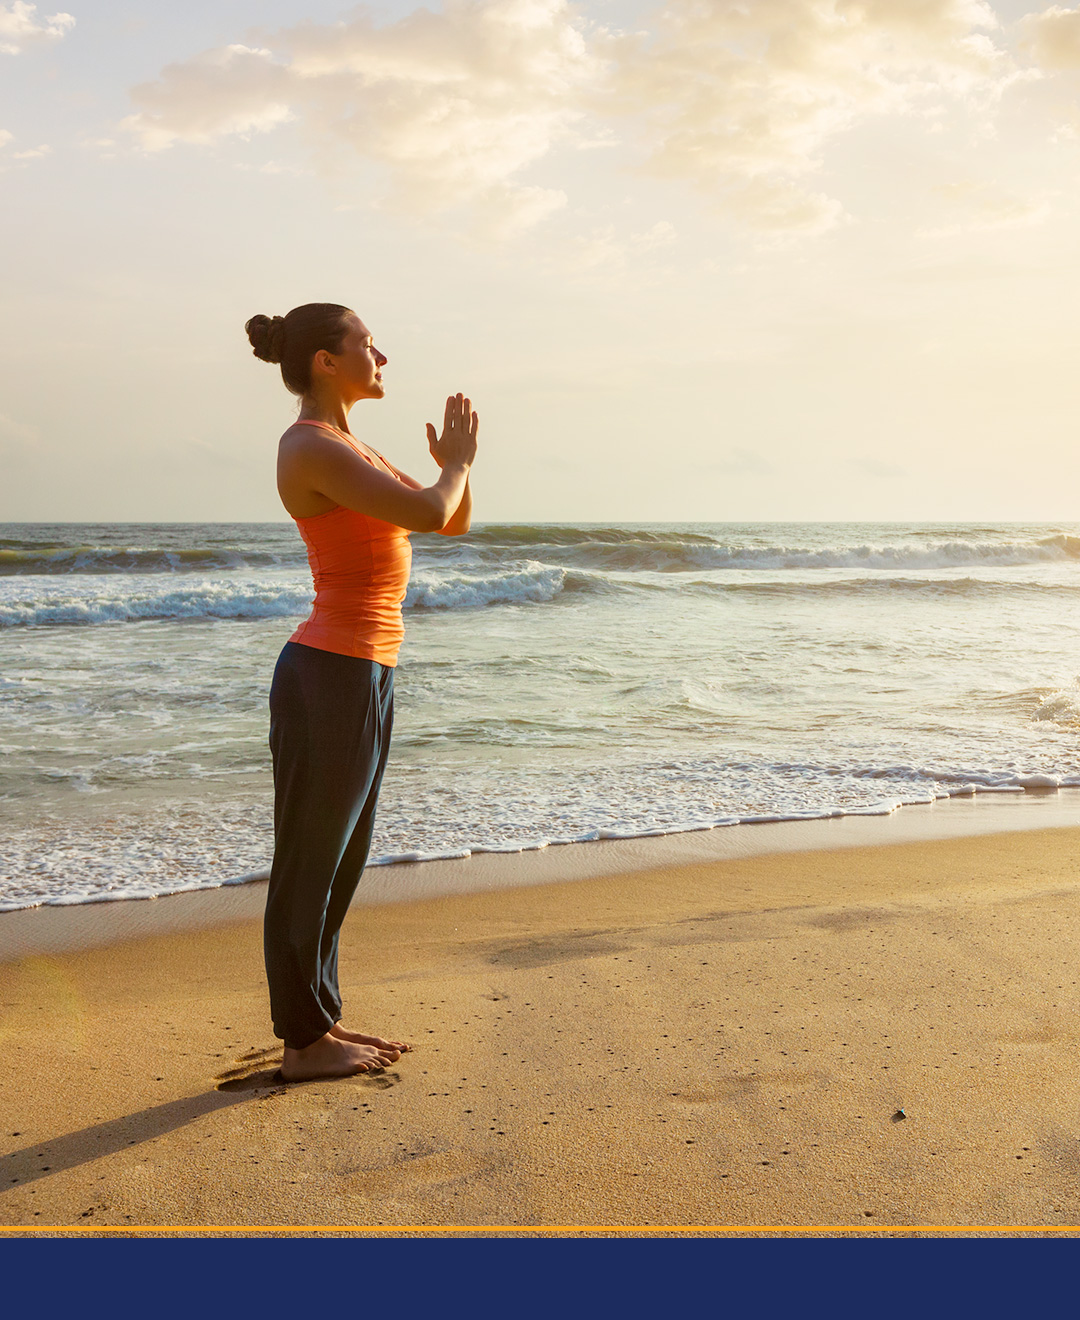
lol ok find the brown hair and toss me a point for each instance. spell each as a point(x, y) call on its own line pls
point(294, 339)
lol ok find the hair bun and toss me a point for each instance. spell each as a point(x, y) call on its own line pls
point(267, 336)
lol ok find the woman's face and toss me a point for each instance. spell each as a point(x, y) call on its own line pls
point(358, 364)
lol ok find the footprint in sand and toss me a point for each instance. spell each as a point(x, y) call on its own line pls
point(424, 1169)
point(252, 1055)
point(263, 1079)
point(257, 1068)
point(737, 1087)
point(1042, 1035)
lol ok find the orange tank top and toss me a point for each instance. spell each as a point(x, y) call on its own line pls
point(360, 567)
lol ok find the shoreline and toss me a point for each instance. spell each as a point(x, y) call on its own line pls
point(50, 929)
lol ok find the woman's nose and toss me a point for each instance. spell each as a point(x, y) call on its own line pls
point(381, 358)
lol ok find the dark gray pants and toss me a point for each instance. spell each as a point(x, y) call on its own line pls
point(330, 722)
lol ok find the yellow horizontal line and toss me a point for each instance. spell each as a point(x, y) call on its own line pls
point(541, 1228)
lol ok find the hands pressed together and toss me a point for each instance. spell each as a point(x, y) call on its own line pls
point(457, 444)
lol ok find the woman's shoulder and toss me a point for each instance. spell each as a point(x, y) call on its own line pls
point(302, 442)
point(306, 432)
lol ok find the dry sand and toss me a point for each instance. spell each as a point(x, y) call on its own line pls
point(715, 1043)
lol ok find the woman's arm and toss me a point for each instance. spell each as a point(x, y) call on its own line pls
point(313, 467)
point(460, 520)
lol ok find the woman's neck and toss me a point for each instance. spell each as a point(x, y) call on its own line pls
point(333, 411)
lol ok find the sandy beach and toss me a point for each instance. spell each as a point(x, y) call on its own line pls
point(867, 1036)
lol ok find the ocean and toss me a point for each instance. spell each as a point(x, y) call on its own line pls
point(557, 683)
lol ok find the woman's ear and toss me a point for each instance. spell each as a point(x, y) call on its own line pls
point(323, 361)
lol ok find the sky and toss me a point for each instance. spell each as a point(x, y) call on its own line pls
point(706, 260)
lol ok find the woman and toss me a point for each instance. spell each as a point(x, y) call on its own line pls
point(331, 703)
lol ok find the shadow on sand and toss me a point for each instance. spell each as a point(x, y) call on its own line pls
point(91, 1143)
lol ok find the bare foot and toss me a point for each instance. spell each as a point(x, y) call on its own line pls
point(396, 1048)
point(330, 1057)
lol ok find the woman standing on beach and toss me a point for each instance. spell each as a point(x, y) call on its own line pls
point(331, 702)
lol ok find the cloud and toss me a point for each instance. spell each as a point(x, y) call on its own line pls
point(984, 209)
point(741, 99)
point(1052, 38)
point(603, 248)
point(236, 90)
point(20, 26)
point(273, 167)
point(780, 207)
point(31, 153)
point(508, 209)
point(454, 104)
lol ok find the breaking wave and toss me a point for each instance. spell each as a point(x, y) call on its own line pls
point(227, 598)
point(445, 589)
point(627, 549)
point(532, 584)
point(22, 561)
point(680, 551)
point(248, 600)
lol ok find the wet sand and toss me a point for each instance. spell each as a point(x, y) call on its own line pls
point(868, 1036)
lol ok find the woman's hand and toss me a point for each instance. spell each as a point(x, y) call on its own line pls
point(457, 444)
